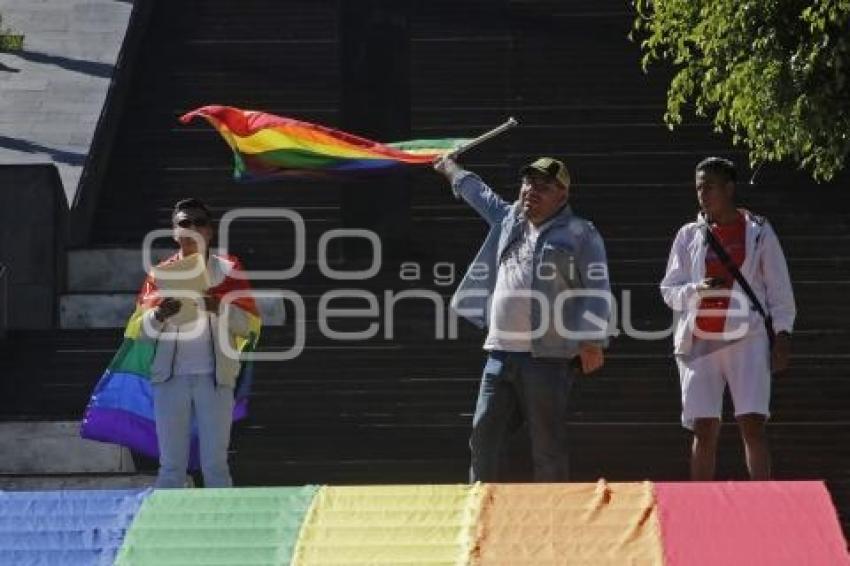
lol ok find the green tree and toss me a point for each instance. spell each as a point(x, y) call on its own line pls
point(772, 73)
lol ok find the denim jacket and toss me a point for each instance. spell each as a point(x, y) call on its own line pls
point(569, 265)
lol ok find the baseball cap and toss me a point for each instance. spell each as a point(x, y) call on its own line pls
point(551, 167)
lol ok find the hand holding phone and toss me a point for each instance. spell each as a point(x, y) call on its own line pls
point(710, 284)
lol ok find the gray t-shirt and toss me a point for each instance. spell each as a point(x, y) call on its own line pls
point(195, 356)
point(510, 313)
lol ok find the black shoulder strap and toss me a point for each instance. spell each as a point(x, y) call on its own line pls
point(733, 270)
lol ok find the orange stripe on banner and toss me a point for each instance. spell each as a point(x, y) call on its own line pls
point(542, 524)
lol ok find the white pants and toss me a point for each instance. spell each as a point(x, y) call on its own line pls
point(712, 364)
point(175, 401)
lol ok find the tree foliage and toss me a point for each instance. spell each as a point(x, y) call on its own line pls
point(772, 73)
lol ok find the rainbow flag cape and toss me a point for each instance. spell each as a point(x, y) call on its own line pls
point(267, 146)
point(121, 407)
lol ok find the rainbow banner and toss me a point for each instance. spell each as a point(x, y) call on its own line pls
point(646, 524)
point(121, 407)
point(268, 147)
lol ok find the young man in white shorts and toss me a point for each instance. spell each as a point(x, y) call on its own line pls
point(720, 337)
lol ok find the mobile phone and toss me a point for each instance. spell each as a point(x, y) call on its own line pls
point(575, 366)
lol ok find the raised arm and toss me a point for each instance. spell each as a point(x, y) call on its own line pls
point(472, 189)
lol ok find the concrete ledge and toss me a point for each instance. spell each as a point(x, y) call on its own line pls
point(33, 225)
point(54, 90)
point(111, 310)
point(95, 311)
point(31, 448)
point(109, 270)
point(101, 481)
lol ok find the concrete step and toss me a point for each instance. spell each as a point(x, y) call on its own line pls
point(110, 310)
point(103, 283)
point(121, 270)
point(43, 482)
point(109, 269)
point(56, 448)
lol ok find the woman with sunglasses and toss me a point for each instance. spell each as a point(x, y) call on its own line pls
point(194, 374)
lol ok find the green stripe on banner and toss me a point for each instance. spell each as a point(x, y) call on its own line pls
point(245, 526)
point(134, 356)
point(301, 159)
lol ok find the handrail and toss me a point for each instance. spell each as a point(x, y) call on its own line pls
point(88, 189)
point(4, 300)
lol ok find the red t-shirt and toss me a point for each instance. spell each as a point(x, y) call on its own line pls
point(733, 239)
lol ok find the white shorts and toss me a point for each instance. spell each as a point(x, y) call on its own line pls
point(704, 373)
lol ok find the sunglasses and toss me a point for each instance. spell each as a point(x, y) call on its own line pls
point(196, 222)
point(538, 182)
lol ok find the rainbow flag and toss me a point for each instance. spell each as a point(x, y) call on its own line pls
point(645, 524)
point(267, 146)
point(121, 407)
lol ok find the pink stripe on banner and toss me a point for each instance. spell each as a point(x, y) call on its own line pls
point(751, 523)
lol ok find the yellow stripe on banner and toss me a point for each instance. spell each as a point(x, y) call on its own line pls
point(254, 326)
point(134, 324)
point(270, 140)
point(547, 524)
point(393, 525)
point(255, 323)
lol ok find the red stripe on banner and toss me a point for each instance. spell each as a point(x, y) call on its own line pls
point(751, 523)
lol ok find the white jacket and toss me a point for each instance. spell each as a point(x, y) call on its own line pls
point(237, 324)
point(764, 268)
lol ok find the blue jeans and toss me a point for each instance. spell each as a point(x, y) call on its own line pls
point(537, 389)
point(175, 401)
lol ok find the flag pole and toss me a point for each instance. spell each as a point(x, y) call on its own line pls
point(510, 123)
